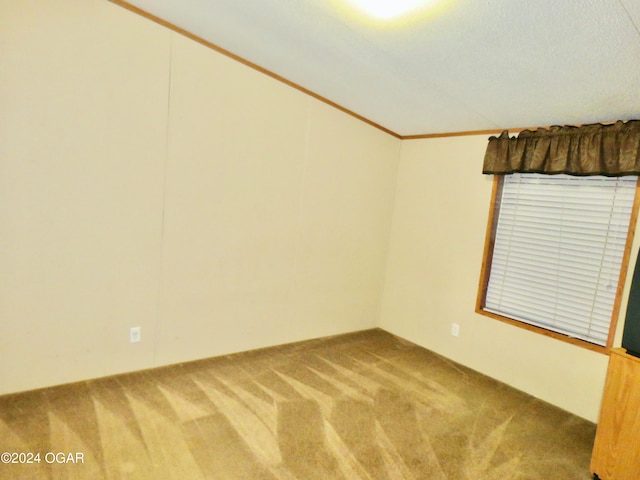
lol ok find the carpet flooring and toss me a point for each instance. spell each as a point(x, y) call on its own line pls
point(366, 405)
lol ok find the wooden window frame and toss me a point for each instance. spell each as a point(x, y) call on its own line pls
point(490, 235)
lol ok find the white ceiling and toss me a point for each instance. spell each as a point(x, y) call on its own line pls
point(470, 65)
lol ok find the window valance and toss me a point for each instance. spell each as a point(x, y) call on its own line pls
point(610, 150)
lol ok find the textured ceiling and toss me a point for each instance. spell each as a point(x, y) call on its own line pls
point(469, 65)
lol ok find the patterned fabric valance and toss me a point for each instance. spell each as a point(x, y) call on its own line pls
point(611, 150)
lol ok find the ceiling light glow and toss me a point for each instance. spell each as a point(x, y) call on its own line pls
point(389, 9)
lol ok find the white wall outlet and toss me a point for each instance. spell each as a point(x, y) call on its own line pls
point(134, 334)
point(455, 329)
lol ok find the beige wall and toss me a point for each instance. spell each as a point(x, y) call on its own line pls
point(277, 212)
point(149, 181)
point(437, 241)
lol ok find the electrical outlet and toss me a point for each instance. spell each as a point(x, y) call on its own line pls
point(134, 334)
point(455, 329)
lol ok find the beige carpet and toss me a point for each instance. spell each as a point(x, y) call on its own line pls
point(361, 406)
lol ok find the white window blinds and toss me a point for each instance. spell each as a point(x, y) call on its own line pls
point(558, 251)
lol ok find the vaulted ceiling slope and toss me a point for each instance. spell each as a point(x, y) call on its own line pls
point(468, 65)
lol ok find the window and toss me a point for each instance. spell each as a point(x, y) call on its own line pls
point(556, 254)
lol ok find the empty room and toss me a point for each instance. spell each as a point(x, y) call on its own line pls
point(319, 239)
